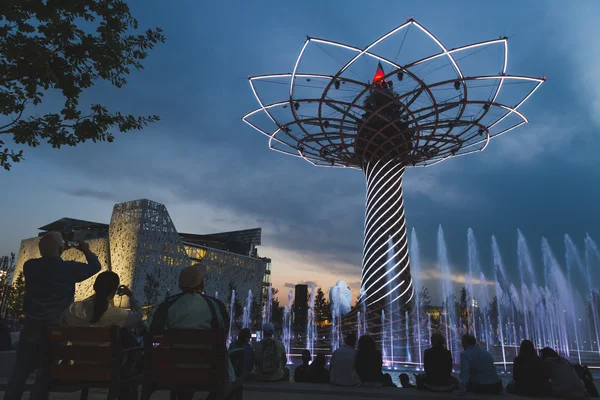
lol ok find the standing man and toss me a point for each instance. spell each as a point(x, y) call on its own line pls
point(49, 290)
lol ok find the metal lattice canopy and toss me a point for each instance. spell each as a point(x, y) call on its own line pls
point(418, 112)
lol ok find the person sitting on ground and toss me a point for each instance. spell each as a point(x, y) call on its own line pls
point(49, 289)
point(528, 372)
point(584, 373)
point(369, 364)
point(191, 309)
point(405, 381)
point(316, 372)
point(300, 371)
point(99, 309)
point(270, 358)
point(477, 370)
point(241, 347)
point(438, 367)
point(342, 371)
point(564, 379)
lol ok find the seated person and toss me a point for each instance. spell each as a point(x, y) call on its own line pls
point(191, 309)
point(369, 363)
point(562, 375)
point(477, 370)
point(584, 373)
point(300, 371)
point(405, 381)
point(528, 372)
point(342, 371)
point(316, 372)
point(438, 366)
point(270, 358)
point(241, 354)
point(99, 309)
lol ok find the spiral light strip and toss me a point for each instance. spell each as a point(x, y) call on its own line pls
point(385, 270)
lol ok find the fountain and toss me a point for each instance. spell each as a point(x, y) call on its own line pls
point(592, 253)
point(247, 320)
point(268, 306)
point(508, 300)
point(287, 327)
point(500, 294)
point(384, 340)
point(448, 296)
point(231, 317)
point(334, 299)
point(416, 266)
point(408, 356)
point(311, 329)
point(362, 318)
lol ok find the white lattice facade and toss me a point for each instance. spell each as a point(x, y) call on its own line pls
point(144, 248)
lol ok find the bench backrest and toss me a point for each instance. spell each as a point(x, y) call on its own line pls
point(187, 358)
point(83, 354)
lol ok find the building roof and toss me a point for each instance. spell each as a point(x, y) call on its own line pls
point(246, 236)
point(70, 223)
point(240, 242)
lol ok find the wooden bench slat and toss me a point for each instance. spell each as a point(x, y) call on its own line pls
point(100, 355)
point(191, 336)
point(74, 373)
point(216, 358)
point(93, 335)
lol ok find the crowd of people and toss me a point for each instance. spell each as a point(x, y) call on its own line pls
point(49, 300)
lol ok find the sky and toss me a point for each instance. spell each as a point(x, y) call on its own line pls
point(214, 173)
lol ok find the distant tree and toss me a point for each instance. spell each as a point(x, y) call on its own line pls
point(493, 315)
point(17, 296)
point(151, 289)
point(276, 309)
point(66, 47)
point(322, 309)
point(464, 307)
point(424, 298)
point(7, 268)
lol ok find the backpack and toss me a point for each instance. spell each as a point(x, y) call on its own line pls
point(269, 359)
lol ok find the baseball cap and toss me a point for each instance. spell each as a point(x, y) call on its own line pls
point(268, 327)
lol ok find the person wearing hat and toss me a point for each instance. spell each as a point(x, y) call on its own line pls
point(270, 357)
point(190, 309)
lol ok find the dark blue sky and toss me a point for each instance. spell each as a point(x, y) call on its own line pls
point(215, 173)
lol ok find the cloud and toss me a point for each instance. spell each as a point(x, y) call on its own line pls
point(576, 41)
point(92, 193)
point(549, 135)
point(434, 274)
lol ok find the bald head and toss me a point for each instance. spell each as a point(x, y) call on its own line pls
point(51, 245)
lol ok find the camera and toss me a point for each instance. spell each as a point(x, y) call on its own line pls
point(67, 234)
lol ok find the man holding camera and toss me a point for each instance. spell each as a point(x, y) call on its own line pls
point(49, 290)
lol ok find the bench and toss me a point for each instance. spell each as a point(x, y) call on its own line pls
point(86, 358)
point(188, 361)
